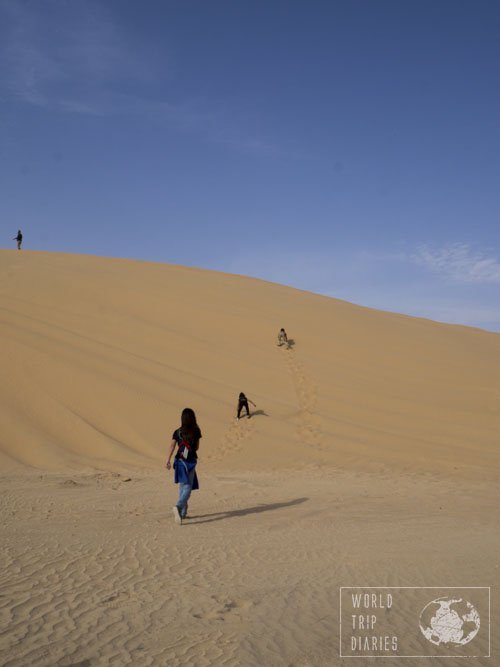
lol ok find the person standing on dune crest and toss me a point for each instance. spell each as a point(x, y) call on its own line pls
point(187, 439)
point(19, 239)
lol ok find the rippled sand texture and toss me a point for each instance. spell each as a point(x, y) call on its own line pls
point(372, 458)
point(97, 573)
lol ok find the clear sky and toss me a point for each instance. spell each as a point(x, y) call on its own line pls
point(349, 147)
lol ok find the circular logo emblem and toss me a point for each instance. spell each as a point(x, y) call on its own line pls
point(449, 621)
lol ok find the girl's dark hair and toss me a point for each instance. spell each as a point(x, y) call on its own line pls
point(189, 427)
point(242, 395)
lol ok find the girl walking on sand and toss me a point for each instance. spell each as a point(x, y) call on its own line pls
point(187, 439)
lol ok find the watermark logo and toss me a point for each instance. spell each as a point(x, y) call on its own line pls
point(449, 620)
point(414, 622)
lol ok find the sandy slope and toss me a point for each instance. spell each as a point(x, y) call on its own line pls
point(100, 355)
point(373, 459)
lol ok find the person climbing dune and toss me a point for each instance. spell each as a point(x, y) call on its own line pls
point(243, 403)
point(282, 337)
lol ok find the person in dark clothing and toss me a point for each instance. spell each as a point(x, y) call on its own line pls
point(243, 403)
point(187, 440)
point(19, 239)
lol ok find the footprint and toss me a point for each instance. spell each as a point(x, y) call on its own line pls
point(224, 609)
point(116, 600)
point(233, 439)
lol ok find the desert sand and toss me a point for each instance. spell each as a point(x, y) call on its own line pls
point(371, 459)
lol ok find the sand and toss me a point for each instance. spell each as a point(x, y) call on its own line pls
point(372, 460)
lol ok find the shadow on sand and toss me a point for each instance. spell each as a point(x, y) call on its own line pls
point(257, 509)
point(256, 413)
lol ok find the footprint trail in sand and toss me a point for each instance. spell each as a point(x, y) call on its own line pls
point(233, 439)
point(308, 427)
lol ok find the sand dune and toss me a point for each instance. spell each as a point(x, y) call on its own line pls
point(372, 459)
point(100, 355)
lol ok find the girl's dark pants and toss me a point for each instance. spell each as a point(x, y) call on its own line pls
point(243, 404)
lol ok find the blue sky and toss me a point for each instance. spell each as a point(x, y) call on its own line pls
point(350, 148)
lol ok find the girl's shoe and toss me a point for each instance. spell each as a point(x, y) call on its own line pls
point(177, 515)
